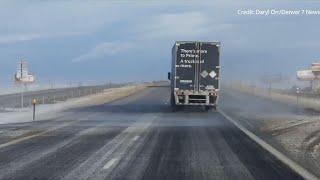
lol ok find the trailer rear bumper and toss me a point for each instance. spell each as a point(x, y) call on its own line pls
point(195, 104)
point(196, 99)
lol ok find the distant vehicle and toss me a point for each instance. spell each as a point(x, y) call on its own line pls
point(195, 74)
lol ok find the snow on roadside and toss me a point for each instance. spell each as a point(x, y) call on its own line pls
point(45, 112)
point(13, 89)
point(277, 118)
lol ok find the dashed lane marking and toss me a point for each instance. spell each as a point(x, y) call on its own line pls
point(110, 163)
point(115, 160)
point(135, 138)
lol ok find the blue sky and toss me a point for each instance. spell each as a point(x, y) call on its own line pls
point(102, 41)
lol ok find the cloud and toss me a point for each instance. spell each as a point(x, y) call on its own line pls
point(189, 24)
point(14, 38)
point(104, 49)
point(25, 20)
point(178, 24)
point(18, 38)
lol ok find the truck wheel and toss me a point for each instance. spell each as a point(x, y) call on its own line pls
point(174, 108)
point(207, 108)
point(214, 107)
point(173, 104)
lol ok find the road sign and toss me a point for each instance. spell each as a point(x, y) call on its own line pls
point(22, 75)
point(306, 75)
point(315, 67)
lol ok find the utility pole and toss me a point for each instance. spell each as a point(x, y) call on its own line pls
point(23, 77)
point(270, 88)
point(22, 96)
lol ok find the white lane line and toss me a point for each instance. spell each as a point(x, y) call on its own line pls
point(135, 138)
point(115, 160)
point(284, 159)
point(118, 147)
point(110, 163)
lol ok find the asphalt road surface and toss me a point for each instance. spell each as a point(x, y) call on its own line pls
point(137, 137)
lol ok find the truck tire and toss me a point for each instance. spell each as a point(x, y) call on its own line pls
point(173, 104)
point(208, 108)
point(174, 108)
point(214, 107)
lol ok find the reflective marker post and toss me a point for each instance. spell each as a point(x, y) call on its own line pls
point(298, 93)
point(34, 102)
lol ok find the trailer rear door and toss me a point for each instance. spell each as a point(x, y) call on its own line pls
point(185, 66)
point(209, 69)
point(197, 66)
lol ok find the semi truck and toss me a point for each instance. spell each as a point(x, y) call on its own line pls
point(195, 74)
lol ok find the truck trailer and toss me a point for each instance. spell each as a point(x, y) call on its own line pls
point(195, 74)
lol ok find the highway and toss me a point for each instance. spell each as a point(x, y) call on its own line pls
point(136, 137)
